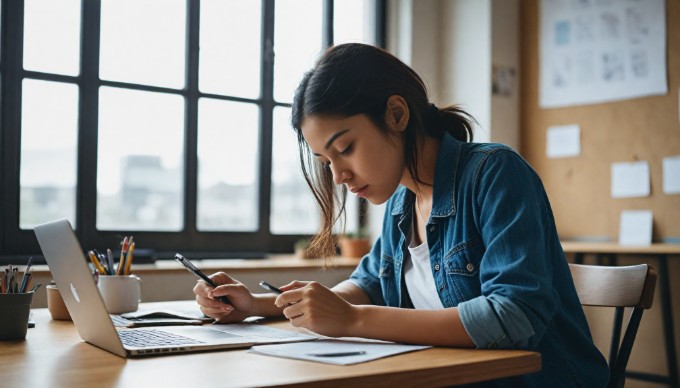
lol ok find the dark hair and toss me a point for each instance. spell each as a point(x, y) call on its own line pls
point(351, 79)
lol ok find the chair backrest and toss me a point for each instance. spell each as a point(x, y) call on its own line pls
point(618, 287)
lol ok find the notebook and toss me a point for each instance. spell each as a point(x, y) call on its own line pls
point(71, 272)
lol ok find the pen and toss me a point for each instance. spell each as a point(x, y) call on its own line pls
point(192, 268)
point(27, 270)
point(109, 258)
point(35, 288)
point(24, 282)
point(269, 287)
point(337, 354)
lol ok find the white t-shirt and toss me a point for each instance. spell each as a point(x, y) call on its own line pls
point(419, 279)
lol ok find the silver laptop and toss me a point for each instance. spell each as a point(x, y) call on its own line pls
point(70, 270)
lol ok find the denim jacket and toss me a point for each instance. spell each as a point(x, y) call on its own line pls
point(494, 254)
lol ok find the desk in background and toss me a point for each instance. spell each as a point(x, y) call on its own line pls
point(606, 254)
point(54, 355)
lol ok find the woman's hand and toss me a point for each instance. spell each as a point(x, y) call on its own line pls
point(316, 308)
point(242, 301)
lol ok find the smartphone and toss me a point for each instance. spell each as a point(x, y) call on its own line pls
point(192, 268)
point(269, 287)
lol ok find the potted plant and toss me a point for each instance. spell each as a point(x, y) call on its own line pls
point(302, 249)
point(355, 244)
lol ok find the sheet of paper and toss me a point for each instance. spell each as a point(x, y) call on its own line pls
point(599, 51)
point(563, 141)
point(630, 180)
point(671, 175)
point(266, 333)
point(635, 227)
point(336, 351)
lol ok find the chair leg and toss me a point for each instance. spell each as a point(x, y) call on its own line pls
point(616, 337)
point(667, 312)
point(618, 372)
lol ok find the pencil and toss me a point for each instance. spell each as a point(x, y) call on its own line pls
point(96, 262)
point(128, 260)
point(123, 249)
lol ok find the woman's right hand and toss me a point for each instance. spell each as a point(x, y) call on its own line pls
point(242, 301)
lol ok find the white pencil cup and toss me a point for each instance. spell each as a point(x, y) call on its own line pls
point(121, 294)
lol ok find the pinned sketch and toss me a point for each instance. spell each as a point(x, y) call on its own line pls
point(599, 51)
point(635, 227)
point(671, 175)
point(503, 80)
point(630, 180)
point(563, 141)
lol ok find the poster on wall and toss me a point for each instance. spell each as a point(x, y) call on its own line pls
point(595, 51)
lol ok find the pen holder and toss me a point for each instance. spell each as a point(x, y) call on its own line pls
point(121, 294)
point(56, 305)
point(14, 311)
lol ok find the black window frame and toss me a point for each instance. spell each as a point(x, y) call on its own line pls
point(17, 244)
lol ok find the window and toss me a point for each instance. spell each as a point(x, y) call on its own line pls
point(165, 119)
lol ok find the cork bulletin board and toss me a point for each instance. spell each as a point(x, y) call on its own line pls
point(640, 129)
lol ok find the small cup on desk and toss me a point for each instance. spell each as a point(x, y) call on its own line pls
point(121, 294)
point(14, 312)
point(55, 304)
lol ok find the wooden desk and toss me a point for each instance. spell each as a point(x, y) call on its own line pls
point(54, 355)
point(606, 254)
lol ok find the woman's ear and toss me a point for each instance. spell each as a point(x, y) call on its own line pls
point(397, 113)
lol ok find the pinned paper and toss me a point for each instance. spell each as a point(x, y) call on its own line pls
point(635, 227)
point(630, 180)
point(563, 141)
point(671, 175)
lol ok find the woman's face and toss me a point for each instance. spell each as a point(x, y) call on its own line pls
point(358, 154)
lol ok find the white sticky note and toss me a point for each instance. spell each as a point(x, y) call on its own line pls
point(671, 175)
point(563, 141)
point(630, 179)
point(635, 227)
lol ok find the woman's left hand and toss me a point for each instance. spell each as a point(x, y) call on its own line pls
point(315, 307)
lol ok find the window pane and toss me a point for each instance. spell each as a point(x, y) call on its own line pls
point(140, 155)
point(230, 47)
point(293, 208)
point(49, 138)
point(297, 43)
point(354, 21)
point(143, 42)
point(52, 36)
point(227, 165)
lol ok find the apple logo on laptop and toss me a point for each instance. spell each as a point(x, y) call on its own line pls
point(75, 293)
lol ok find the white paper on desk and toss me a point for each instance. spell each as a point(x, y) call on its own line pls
point(671, 175)
point(630, 179)
point(307, 350)
point(563, 141)
point(635, 227)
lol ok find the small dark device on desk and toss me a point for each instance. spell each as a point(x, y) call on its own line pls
point(192, 268)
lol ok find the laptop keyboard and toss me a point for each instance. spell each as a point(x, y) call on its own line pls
point(146, 338)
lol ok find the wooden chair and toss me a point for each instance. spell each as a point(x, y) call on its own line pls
point(618, 287)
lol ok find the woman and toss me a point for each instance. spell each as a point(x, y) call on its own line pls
point(469, 254)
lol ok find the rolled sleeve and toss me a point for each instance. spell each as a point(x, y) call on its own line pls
point(367, 275)
point(495, 322)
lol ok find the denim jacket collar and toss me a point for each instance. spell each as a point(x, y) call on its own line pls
point(443, 198)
